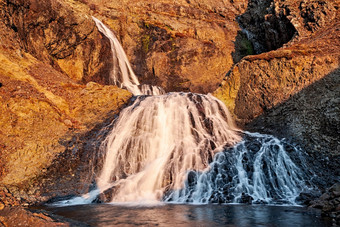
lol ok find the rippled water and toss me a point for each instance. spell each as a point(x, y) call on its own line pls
point(191, 215)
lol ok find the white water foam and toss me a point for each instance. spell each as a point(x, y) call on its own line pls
point(258, 169)
point(158, 139)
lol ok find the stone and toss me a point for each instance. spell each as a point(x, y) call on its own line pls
point(289, 92)
point(245, 198)
point(68, 123)
point(329, 204)
point(42, 105)
point(168, 52)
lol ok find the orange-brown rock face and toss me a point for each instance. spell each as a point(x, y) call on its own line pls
point(14, 216)
point(54, 64)
point(61, 34)
point(179, 45)
point(51, 55)
point(41, 106)
point(165, 40)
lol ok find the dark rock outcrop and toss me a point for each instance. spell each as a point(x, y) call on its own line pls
point(293, 91)
point(267, 25)
point(329, 203)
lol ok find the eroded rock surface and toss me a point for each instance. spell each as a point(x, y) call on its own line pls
point(61, 34)
point(181, 45)
point(293, 91)
point(329, 203)
point(54, 64)
point(42, 105)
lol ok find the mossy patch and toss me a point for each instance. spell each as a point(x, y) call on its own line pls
point(145, 43)
point(243, 47)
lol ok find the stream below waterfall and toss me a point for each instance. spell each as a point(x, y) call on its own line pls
point(177, 159)
point(192, 215)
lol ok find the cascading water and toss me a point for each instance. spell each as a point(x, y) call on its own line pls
point(185, 148)
point(157, 139)
point(258, 169)
point(122, 74)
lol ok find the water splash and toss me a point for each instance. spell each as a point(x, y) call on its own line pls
point(122, 74)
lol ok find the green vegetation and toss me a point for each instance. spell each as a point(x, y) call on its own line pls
point(246, 47)
point(145, 43)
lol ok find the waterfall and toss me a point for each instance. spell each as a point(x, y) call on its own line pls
point(185, 148)
point(158, 139)
point(256, 170)
point(122, 74)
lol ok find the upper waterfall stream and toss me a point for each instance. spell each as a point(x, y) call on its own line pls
point(185, 148)
point(122, 74)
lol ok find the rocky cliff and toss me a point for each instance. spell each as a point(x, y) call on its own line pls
point(167, 41)
point(291, 88)
point(292, 91)
point(260, 82)
point(49, 53)
point(54, 74)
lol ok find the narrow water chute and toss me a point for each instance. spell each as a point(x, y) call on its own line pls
point(122, 73)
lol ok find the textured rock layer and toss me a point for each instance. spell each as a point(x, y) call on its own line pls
point(293, 91)
point(43, 102)
point(179, 45)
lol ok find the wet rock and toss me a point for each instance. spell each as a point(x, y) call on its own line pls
point(329, 203)
point(106, 196)
point(192, 178)
point(266, 25)
point(307, 197)
point(245, 198)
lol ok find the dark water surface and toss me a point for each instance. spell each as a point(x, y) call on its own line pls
point(191, 215)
